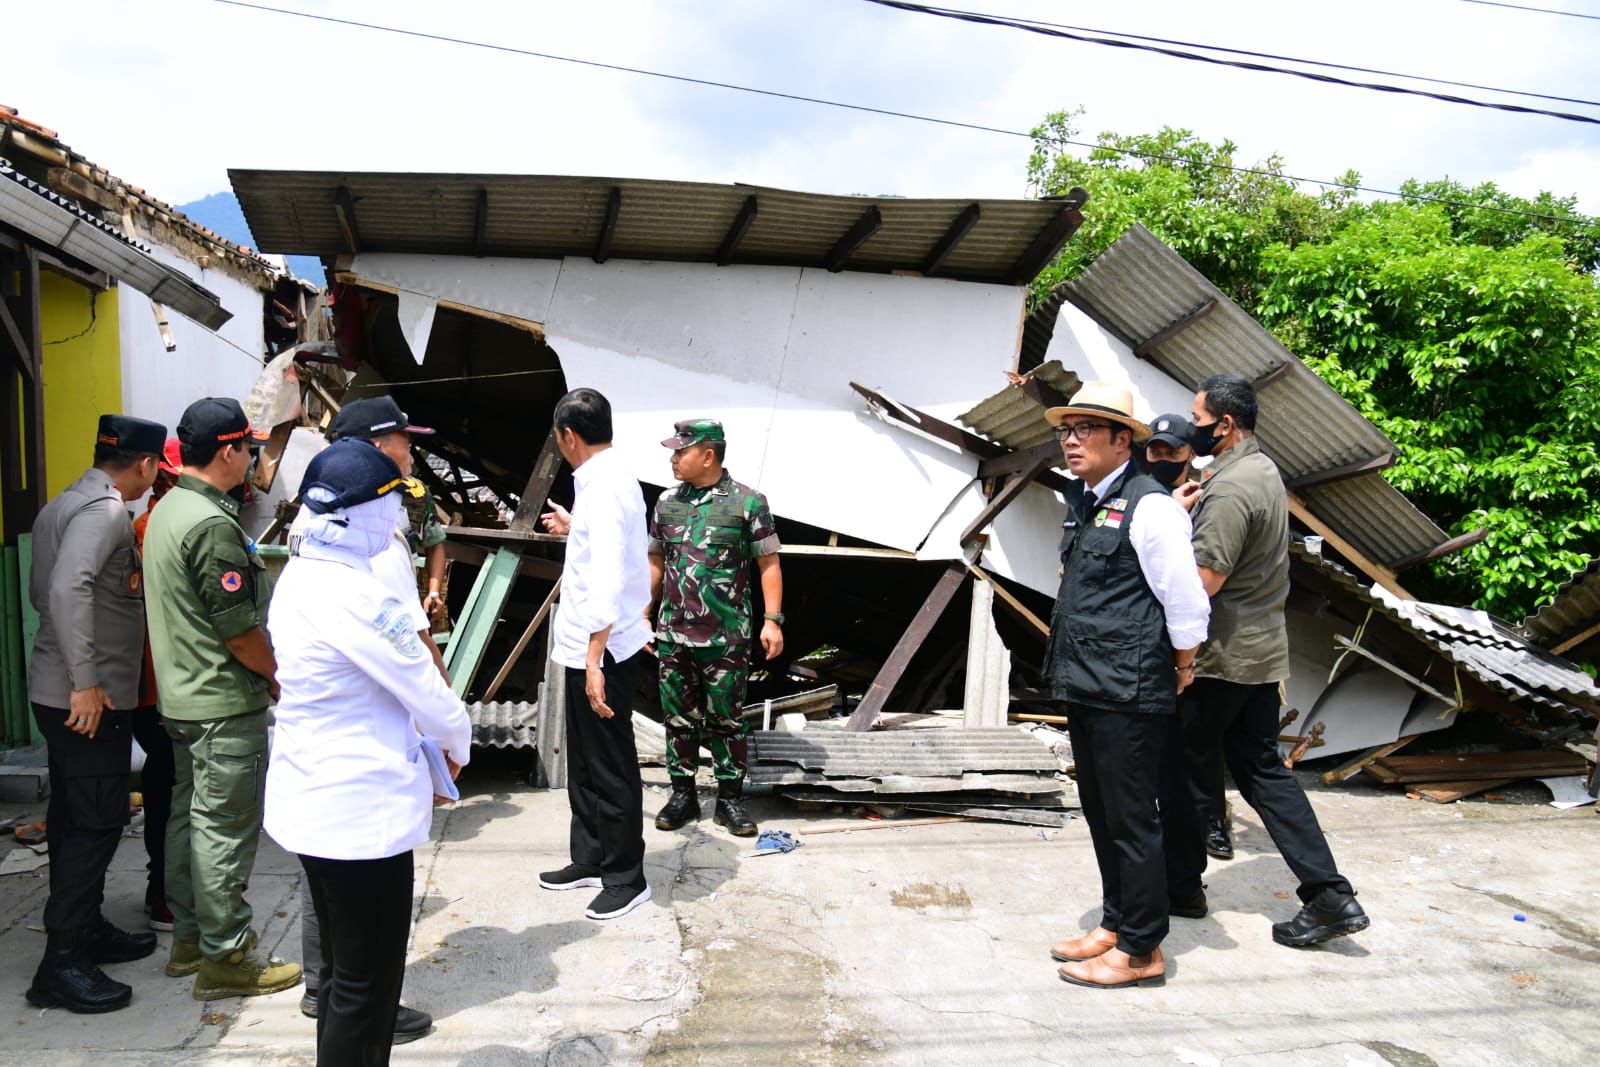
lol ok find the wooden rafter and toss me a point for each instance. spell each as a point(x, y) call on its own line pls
point(1172, 329)
point(741, 226)
point(344, 209)
point(870, 222)
point(1043, 248)
point(608, 225)
point(480, 223)
point(1376, 571)
point(1344, 471)
point(959, 228)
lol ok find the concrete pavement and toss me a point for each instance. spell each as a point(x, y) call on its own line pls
point(923, 945)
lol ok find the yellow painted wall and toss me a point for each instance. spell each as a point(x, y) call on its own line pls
point(82, 373)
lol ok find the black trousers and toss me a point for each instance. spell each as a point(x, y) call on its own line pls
point(155, 782)
point(603, 785)
point(1239, 723)
point(1119, 758)
point(364, 912)
point(87, 810)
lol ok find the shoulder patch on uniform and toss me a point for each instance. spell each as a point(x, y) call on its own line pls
point(393, 623)
point(231, 581)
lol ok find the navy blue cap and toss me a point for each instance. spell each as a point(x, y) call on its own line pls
point(350, 472)
point(128, 434)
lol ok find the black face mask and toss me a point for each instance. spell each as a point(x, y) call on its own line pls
point(1205, 439)
point(1169, 472)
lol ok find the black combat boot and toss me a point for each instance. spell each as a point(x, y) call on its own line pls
point(67, 978)
point(682, 807)
point(106, 943)
point(730, 810)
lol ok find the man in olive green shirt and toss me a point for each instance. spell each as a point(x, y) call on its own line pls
point(1241, 546)
point(206, 593)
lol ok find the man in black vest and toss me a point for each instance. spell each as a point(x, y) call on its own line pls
point(1128, 617)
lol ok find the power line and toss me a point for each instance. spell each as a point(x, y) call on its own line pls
point(867, 109)
point(1048, 30)
point(1536, 10)
point(1026, 23)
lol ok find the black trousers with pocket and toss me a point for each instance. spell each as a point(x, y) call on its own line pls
point(1239, 722)
point(603, 785)
point(155, 782)
point(364, 913)
point(1118, 756)
point(87, 810)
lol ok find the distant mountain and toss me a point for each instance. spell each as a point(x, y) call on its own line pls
point(221, 212)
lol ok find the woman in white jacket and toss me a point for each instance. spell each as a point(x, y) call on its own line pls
point(349, 788)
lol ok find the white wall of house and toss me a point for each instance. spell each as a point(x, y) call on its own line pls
point(157, 384)
point(771, 352)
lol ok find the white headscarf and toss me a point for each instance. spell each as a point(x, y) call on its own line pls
point(354, 535)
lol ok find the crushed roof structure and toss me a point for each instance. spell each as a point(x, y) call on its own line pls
point(63, 226)
point(40, 153)
point(1572, 618)
point(331, 213)
point(1149, 297)
point(1548, 689)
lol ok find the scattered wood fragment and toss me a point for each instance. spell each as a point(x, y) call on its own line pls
point(1450, 792)
point(1478, 766)
point(886, 824)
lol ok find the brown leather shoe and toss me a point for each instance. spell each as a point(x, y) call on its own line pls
point(1087, 947)
point(1115, 969)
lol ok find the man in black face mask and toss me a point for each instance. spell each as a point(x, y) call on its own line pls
point(1241, 546)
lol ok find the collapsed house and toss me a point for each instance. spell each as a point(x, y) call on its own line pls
point(858, 351)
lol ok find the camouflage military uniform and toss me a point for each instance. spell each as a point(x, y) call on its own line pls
point(425, 530)
point(707, 539)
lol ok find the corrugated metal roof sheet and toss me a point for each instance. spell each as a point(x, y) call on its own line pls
point(1476, 642)
point(1575, 608)
point(1015, 419)
point(1138, 287)
point(553, 216)
point(503, 724)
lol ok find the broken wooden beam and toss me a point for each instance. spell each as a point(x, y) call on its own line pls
point(910, 642)
point(545, 468)
point(1043, 248)
point(1004, 498)
point(1444, 548)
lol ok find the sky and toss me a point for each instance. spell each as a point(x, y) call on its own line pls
point(169, 94)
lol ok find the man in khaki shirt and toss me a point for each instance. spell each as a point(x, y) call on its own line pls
point(1241, 546)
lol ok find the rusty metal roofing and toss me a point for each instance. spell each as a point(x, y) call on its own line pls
point(551, 216)
point(1574, 610)
point(1015, 419)
point(1488, 649)
point(1139, 287)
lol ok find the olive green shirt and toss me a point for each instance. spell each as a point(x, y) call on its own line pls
point(204, 586)
point(1241, 529)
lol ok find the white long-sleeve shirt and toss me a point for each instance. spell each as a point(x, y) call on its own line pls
point(1160, 531)
point(606, 579)
point(347, 779)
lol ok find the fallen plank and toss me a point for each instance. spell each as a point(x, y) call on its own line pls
point(1363, 761)
point(1478, 766)
point(1450, 792)
point(1024, 816)
point(887, 784)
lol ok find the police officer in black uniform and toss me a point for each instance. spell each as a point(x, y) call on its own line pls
point(84, 681)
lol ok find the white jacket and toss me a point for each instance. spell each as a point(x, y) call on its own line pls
point(347, 779)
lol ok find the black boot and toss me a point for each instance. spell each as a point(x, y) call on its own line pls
point(730, 810)
point(1219, 839)
point(67, 978)
point(108, 944)
point(1326, 916)
point(682, 807)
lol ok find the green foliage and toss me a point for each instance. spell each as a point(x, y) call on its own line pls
point(1471, 337)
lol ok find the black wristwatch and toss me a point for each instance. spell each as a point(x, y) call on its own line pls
point(775, 616)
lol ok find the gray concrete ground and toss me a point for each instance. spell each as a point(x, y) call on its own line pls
point(922, 945)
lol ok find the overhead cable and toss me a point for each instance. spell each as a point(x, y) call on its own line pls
point(1535, 10)
point(980, 18)
point(1026, 23)
point(890, 113)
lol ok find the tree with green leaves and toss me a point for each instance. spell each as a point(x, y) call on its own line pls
point(1463, 321)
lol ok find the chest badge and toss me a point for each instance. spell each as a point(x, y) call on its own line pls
point(1110, 517)
point(135, 581)
point(231, 581)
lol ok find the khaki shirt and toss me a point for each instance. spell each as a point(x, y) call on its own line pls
point(86, 587)
point(206, 586)
point(1241, 529)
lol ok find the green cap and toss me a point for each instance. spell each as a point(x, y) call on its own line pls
point(694, 432)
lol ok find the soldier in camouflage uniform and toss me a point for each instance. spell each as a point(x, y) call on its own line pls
point(425, 538)
point(703, 537)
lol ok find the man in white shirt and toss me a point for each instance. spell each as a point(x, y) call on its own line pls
point(600, 628)
point(1128, 617)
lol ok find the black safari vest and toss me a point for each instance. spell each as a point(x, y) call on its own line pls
point(1109, 647)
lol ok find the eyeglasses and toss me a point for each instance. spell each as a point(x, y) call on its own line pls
point(1082, 431)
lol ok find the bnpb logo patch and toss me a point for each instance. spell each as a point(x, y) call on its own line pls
point(231, 581)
